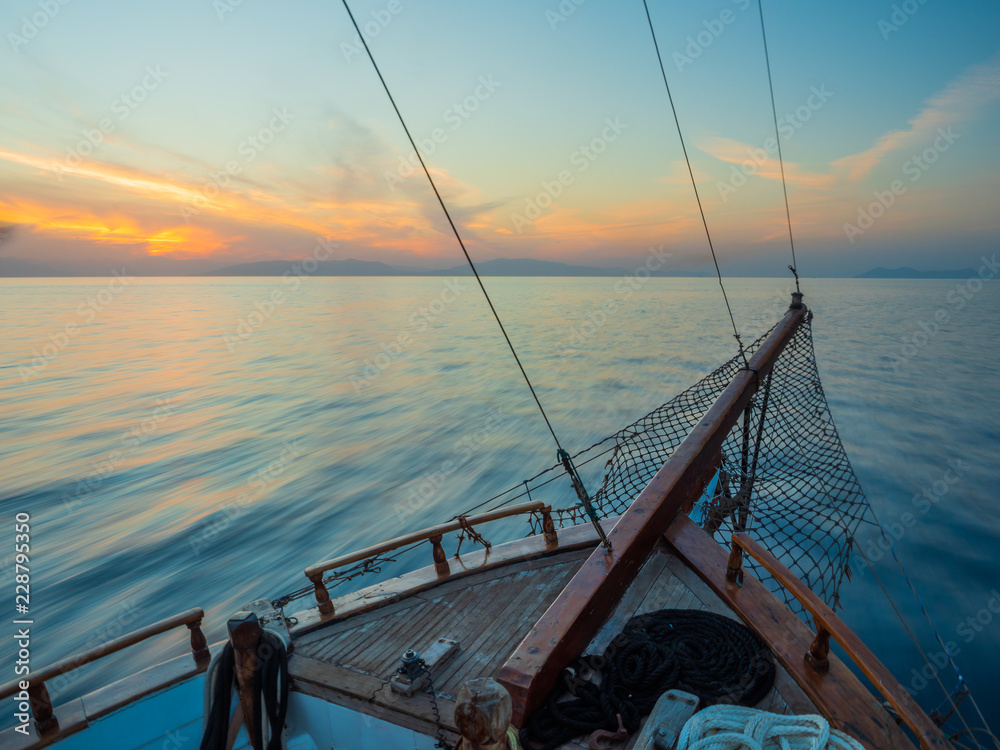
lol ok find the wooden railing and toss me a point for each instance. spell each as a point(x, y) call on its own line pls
point(830, 625)
point(434, 535)
point(38, 695)
point(567, 626)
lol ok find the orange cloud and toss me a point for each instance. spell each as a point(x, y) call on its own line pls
point(74, 223)
point(735, 152)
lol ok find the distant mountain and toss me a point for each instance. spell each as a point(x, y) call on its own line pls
point(349, 267)
point(526, 267)
point(16, 267)
point(912, 273)
point(354, 267)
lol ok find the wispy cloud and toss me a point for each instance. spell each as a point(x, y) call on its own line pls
point(958, 102)
point(735, 152)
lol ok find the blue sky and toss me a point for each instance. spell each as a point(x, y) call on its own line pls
point(515, 90)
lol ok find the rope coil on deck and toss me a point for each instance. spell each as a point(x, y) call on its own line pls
point(740, 728)
point(708, 655)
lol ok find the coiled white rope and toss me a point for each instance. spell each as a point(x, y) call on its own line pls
point(738, 728)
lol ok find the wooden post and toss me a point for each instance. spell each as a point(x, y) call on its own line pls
point(549, 528)
point(734, 571)
point(567, 626)
point(482, 715)
point(41, 709)
point(818, 656)
point(199, 646)
point(244, 634)
point(440, 558)
point(322, 595)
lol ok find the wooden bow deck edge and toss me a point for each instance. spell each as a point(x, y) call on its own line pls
point(928, 733)
point(570, 622)
point(837, 693)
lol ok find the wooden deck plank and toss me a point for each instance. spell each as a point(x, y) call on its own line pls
point(522, 626)
point(838, 693)
point(505, 636)
point(417, 632)
point(471, 624)
point(518, 613)
point(633, 597)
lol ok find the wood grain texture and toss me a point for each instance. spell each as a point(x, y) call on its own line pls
point(838, 694)
point(564, 630)
point(929, 734)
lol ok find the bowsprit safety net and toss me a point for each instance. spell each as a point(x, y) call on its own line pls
point(785, 477)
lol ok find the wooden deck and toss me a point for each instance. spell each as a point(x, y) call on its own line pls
point(348, 661)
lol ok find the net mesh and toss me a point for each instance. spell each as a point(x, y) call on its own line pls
point(785, 478)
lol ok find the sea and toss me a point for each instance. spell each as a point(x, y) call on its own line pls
point(172, 443)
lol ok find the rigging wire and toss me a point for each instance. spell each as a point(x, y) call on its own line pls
point(777, 138)
point(927, 616)
point(913, 638)
point(563, 455)
point(694, 185)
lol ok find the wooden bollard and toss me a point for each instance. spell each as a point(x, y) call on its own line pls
point(818, 656)
point(440, 558)
point(41, 709)
point(199, 646)
point(322, 595)
point(244, 634)
point(549, 528)
point(482, 715)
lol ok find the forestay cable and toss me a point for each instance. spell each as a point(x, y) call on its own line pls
point(563, 455)
point(777, 139)
point(694, 185)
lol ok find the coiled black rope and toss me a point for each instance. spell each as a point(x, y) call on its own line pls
point(270, 693)
point(708, 655)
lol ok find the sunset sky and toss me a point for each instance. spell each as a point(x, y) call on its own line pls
point(182, 136)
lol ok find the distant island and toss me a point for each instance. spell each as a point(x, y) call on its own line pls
point(913, 273)
point(354, 267)
point(23, 268)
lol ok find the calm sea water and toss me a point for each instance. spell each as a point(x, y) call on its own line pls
point(198, 442)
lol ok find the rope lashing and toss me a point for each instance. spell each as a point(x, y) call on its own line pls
point(583, 496)
point(741, 728)
point(711, 656)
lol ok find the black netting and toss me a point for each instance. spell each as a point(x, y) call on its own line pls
point(785, 478)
